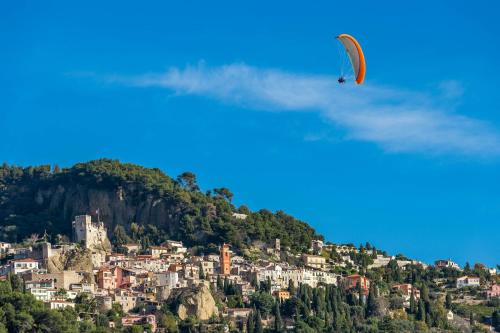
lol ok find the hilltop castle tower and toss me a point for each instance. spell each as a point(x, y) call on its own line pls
point(92, 234)
point(225, 260)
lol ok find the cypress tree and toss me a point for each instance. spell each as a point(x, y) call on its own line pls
point(220, 285)
point(291, 288)
point(421, 310)
point(371, 303)
point(258, 323)
point(278, 323)
point(251, 323)
point(448, 301)
point(360, 293)
point(413, 305)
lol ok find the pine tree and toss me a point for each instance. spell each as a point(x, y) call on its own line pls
point(471, 319)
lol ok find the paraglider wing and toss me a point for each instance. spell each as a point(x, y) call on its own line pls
point(356, 56)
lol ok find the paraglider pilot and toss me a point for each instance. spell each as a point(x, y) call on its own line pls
point(341, 79)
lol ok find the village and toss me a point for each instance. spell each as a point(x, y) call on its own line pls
point(140, 280)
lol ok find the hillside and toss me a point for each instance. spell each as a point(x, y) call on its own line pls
point(135, 203)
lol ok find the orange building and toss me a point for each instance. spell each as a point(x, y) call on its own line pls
point(282, 295)
point(352, 281)
point(225, 260)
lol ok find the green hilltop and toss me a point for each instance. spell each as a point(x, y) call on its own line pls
point(136, 204)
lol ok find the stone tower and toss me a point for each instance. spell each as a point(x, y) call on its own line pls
point(225, 260)
point(92, 234)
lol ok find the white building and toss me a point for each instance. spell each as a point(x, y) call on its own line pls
point(280, 277)
point(468, 281)
point(167, 279)
point(442, 263)
point(23, 265)
point(240, 216)
point(57, 304)
point(207, 267)
point(4, 248)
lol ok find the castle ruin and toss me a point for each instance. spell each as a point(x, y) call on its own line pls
point(92, 235)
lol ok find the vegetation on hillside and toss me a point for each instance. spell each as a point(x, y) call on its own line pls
point(203, 219)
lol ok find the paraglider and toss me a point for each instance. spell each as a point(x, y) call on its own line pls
point(356, 58)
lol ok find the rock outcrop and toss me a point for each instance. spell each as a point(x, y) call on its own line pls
point(74, 260)
point(196, 301)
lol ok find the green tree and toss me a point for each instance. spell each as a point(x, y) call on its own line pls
point(413, 304)
point(278, 323)
point(188, 181)
point(421, 310)
point(258, 323)
point(448, 301)
point(120, 235)
point(167, 321)
point(371, 302)
point(467, 269)
point(495, 320)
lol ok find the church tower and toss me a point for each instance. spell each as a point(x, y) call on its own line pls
point(225, 260)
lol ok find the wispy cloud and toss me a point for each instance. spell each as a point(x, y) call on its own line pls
point(397, 120)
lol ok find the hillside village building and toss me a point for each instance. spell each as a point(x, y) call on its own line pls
point(493, 292)
point(467, 281)
point(4, 248)
point(314, 261)
point(23, 265)
point(446, 263)
point(355, 280)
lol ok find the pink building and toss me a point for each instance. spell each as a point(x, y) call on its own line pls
point(110, 277)
point(493, 292)
point(407, 289)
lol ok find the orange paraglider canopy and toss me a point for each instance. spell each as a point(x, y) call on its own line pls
point(356, 56)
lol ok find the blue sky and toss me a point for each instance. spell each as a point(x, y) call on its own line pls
point(244, 95)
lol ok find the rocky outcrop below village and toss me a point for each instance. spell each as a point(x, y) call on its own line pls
point(194, 301)
point(73, 260)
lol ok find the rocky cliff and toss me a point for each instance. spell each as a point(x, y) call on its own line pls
point(196, 301)
point(79, 260)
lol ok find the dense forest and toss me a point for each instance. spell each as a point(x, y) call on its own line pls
point(136, 204)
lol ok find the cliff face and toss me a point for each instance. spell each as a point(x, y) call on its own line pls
point(61, 203)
